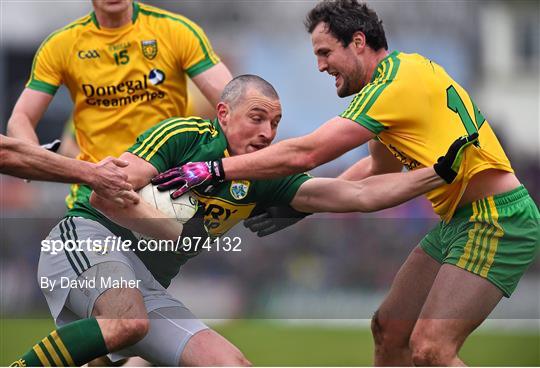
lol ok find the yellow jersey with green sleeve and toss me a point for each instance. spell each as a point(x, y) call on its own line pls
point(123, 80)
point(417, 110)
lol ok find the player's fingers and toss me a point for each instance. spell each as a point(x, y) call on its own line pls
point(127, 186)
point(270, 230)
point(165, 176)
point(131, 196)
point(172, 184)
point(120, 163)
point(255, 219)
point(180, 191)
point(261, 225)
point(119, 201)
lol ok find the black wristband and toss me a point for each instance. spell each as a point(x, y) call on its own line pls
point(216, 169)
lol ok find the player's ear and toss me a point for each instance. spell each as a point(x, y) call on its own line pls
point(359, 41)
point(223, 112)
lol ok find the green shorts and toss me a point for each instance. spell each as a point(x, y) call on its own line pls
point(496, 238)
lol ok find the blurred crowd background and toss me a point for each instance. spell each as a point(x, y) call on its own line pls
point(328, 266)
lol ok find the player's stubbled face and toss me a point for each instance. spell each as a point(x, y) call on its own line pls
point(340, 62)
point(112, 6)
point(252, 123)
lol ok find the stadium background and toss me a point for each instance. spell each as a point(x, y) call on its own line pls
point(304, 296)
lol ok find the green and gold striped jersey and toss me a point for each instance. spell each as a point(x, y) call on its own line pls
point(122, 80)
point(174, 142)
point(417, 110)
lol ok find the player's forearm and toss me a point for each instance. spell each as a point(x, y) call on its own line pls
point(141, 217)
point(389, 190)
point(20, 126)
point(212, 82)
point(287, 157)
point(358, 171)
point(28, 161)
point(371, 194)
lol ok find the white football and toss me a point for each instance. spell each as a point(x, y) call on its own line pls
point(181, 209)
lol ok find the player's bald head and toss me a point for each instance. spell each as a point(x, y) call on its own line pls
point(235, 90)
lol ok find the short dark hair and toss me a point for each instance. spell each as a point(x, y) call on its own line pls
point(345, 17)
point(236, 88)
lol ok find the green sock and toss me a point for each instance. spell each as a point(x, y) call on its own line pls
point(74, 344)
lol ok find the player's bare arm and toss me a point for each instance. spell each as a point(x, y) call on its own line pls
point(368, 195)
point(28, 161)
point(212, 81)
point(139, 172)
point(379, 161)
point(287, 157)
point(26, 114)
point(292, 156)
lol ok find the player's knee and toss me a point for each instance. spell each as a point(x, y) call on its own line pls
point(430, 351)
point(130, 331)
point(386, 334)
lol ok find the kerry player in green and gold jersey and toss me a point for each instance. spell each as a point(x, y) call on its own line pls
point(247, 120)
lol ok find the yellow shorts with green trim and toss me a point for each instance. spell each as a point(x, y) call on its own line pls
point(497, 238)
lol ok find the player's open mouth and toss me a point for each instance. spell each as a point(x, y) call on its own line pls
point(337, 77)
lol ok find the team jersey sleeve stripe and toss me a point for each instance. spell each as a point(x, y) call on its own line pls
point(371, 124)
point(366, 91)
point(154, 138)
point(175, 132)
point(199, 68)
point(384, 82)
point(40, 86)
point(393, 69)
point(155, 131)
point(198, 31)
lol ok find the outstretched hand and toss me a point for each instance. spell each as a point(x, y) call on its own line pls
point(447, 166)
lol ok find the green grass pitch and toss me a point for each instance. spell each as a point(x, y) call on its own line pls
point(269, 343)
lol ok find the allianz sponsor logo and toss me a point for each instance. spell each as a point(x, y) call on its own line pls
point(125, 92)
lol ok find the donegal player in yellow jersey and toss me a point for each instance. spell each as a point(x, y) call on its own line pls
point(125, 66)
point(409, 109)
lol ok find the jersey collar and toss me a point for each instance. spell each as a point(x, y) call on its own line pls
point(222, 138)
point(377, 72)
point(134, 16)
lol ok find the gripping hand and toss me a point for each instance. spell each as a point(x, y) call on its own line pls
point(273, 219)
point(188, 176)
point(447, 166)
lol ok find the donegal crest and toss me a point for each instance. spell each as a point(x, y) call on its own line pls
point(149, 49)
point(239, 189)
